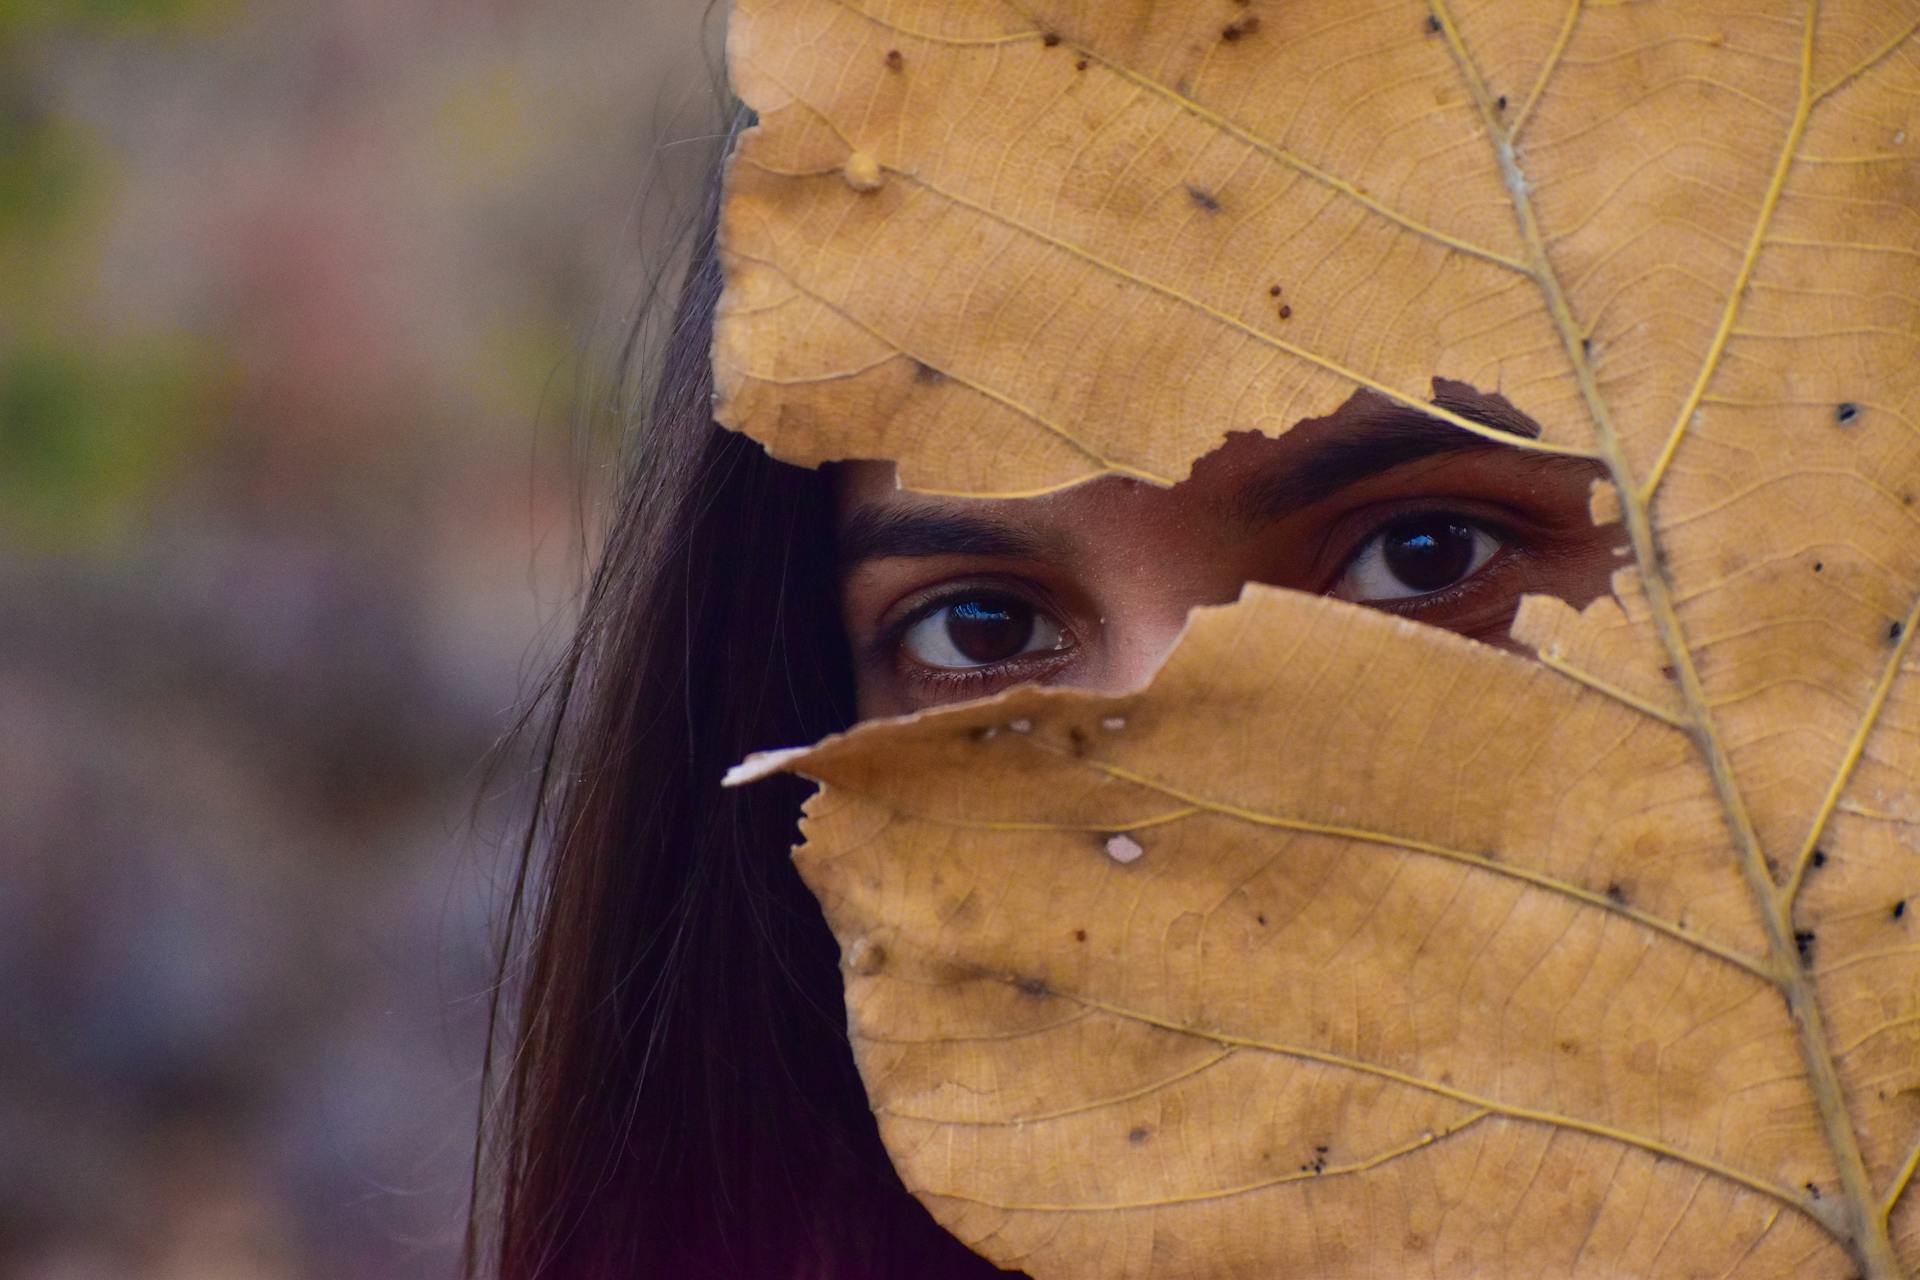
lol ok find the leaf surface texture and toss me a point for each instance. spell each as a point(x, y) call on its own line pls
point(1432, 960)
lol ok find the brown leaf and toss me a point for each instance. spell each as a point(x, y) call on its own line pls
point(1359, 949)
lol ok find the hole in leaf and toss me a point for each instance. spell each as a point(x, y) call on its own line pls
point(1378, 503)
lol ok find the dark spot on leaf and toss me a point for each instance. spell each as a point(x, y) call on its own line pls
point(1586, 346)
point(1803, 940)
point(1433, 24)
point(1286, 312)
point(1035, 987)
point(1894, 629)
point(1813, 1190)
point(1139, 1135)
point(924, 372)
point(1077, 740)
point(1846, 413)
point(1051, 39)
point(895, 60)
point(867, 958)
point(1819, 857)
point(1818, 566)
point(1616, 895)
point(1500, 103)
point(1079, 935)
point(1240, 28)
point(1262, 919)
point(1081, 64)
point(1320, 1150)
point(1204, 198)
point(1274, 291)
point(1899, 908)
point(1670, 671)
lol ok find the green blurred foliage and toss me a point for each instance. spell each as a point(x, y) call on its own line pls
point(43, 172)
point(36, 17)
point(87, 438)
point(90, 431)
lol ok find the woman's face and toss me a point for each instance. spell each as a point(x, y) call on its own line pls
point(946, 599)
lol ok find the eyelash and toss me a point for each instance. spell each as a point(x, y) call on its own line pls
point(960, 682)
point(889, 645)
point(1506, 550)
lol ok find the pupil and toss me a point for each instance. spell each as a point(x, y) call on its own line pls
point(1430, 552)
point(989, 630)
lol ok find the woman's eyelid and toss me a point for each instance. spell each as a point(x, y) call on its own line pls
point(921, 602)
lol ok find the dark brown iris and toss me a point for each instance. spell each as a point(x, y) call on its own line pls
point(990, 628)
point(1429, 553)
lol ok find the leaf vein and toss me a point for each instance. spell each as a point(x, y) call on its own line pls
point(1242, 327)
point(1494, 1106)
point(1538, 880)
point(998, 397)
point(1816, 829)
point(1083, 1108)
point(1420, 1143)
point(1550, 65)
point(1736, 293)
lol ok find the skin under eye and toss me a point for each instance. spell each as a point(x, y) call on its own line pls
point(1416, 557)
point(980, 630)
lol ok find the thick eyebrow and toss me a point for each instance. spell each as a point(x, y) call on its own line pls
point(1379, 438)
point(874, 533)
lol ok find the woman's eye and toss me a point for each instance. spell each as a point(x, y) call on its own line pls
point(1415, 557)
point(978, 631)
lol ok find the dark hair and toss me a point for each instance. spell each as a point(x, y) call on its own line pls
point(676, 1096)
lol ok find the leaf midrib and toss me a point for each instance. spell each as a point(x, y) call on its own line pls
point(1865, 1236)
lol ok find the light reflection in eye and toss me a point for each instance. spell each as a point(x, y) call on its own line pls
point(1416, 557)
point(979, 630)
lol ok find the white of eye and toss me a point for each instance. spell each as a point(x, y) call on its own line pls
point(1415, 557)
point(980, 631)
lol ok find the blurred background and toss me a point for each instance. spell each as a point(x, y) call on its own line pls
point(299, 307)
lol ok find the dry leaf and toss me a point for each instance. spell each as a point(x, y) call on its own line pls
point(1356, 948)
